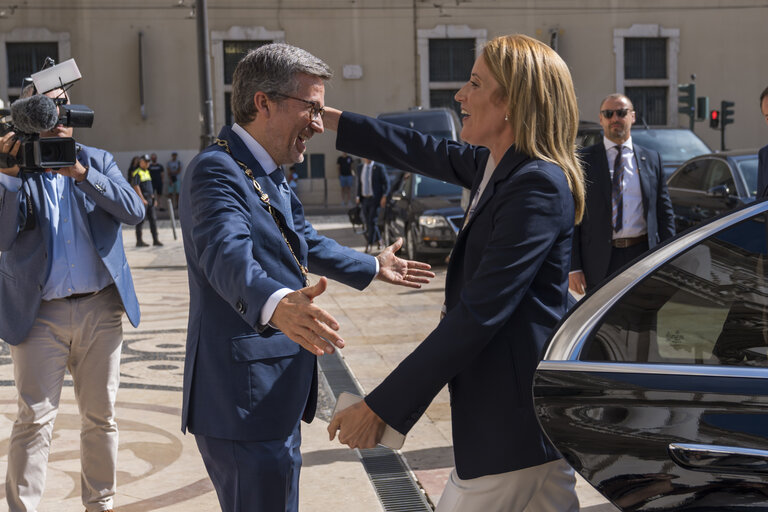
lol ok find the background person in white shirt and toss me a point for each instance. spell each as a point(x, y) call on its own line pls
point(628, 209)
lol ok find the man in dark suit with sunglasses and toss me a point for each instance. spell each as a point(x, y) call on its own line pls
point(628, 209)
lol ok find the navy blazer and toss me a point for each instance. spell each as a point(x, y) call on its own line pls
point(242, 380)
point(592, 238)
point(106, 201)
point(505, 290)
point(762, 173)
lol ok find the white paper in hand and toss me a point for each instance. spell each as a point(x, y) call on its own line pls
point(391, 438)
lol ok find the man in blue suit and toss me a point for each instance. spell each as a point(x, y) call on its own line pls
point(628, 209)
point(250, 373)
point(372, 188)
point(762, 156)
point(64, 284)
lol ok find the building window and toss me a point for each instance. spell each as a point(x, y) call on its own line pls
point(650, 104)
point(233, 52)
point(446, 56)
point(227, 48)
point(646, 71)
point(23, 52)
point(645, 57)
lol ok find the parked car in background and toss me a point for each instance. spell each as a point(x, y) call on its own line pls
point(709, 185)
point(655, 386)
point(675, 145)
point(441, 123)
point(422, 209)
point(427, 213)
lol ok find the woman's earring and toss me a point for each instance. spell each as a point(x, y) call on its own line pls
point(506, 117)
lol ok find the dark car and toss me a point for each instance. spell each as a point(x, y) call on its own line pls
point(709, 185)
point(675, 145)
point(427, 213)
point(655, 386)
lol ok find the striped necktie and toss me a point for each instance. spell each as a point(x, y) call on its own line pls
point(617, 202)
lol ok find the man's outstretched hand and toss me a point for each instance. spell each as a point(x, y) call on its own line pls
point(402, 272)
point(305, 323)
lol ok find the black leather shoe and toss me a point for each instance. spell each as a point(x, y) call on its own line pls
point(158, 243)
point(141, 243)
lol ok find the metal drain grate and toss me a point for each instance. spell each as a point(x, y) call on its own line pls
point(390, 475)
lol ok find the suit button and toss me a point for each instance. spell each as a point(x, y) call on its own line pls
point(240, 307)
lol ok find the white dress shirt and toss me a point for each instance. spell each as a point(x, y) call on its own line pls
point(633, 224)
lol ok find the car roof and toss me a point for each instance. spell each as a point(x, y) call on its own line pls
point(730, 152)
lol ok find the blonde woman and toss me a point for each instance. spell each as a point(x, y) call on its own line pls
point(507, 279)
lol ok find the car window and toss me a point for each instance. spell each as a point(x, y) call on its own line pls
point(748, 169)
point(690, 177)
point(719, 174)
point(708, 306)
point(429, 187)
point(674, 145)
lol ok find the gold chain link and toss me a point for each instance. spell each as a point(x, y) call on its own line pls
point(264, 197)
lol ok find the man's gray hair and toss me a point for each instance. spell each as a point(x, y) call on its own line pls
point(271, 69)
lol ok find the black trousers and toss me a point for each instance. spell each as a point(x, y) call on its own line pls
point(620, 257)
point(150, 214)
point(371, 218)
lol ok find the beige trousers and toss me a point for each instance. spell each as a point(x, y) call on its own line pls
point(84, 336)
point(548, 487)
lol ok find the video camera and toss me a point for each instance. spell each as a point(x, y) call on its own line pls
point(38, 113)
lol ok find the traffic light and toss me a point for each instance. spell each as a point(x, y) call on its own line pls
point(702, 107)
point(686, 101)
point(714, 119)
point(726, 110)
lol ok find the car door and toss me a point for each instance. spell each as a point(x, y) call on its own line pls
point(686, 190)
point(655, 387)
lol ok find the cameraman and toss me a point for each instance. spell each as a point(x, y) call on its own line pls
point(64, 284)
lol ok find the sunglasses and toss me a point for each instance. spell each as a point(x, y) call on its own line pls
point(622, 112)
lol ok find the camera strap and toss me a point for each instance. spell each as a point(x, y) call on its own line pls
point(265, 199)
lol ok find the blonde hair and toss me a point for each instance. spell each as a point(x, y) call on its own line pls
point(541, 104)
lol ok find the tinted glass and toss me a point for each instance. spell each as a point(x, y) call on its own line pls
point(690, 177)
point(719, 175)
point(444, 98)
point(437, 123)
point(706, 306)
point(676, 145)
point(747, 166)
point(428, 187)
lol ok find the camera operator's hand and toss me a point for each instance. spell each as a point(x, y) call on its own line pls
point(10, 145)
point(77, 171)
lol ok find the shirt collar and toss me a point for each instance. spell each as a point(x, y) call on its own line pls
point(610, 144)
point(256, 149)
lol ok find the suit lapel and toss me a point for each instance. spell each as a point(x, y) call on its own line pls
point(604, 173)
point(241, 152)
point(644, 175)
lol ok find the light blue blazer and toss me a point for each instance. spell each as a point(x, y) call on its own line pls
point(105, 199)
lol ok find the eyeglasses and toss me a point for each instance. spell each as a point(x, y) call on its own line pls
point(621, 112)
point(315, 110)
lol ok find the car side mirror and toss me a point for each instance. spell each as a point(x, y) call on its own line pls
point(721, 191)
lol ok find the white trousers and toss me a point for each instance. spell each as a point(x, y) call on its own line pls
point(549, 487)
point(84, 336)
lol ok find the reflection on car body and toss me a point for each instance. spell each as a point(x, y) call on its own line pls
point(709, 185)
point(655, 387)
